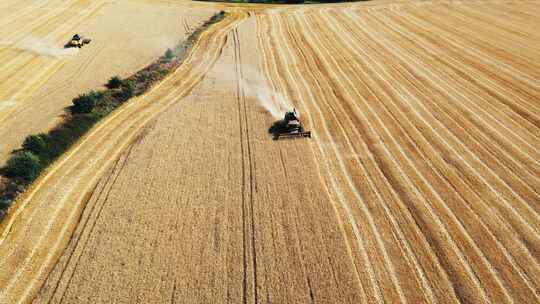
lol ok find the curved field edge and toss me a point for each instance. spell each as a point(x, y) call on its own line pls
point(41, 150)
point(31, 241)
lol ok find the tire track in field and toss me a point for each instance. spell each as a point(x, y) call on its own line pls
point(170, 81)
point(480, 125)
point(407, 250)
point(488, 94)
point(130, 118)
point(86, 226)
point(377, 293)
point(47, 66)
point(409, 59)
point(499, 156)
point(28, 12)
point(26, 90)
point(489, 51)
point(113, 177)
point(270, 72)
point(465, 264)
point(60, 28)
point(529, 199)
point(251, 161)
point(484, 57)
point(28, 29)
point(514, 151)
point(493, 198)
point(517, 13)
point(83, 67)
point(297, 81)
point(405, 61)
point(429, 45)
point(426, 285)
point(136, 122)
point(491, 30)
point(250, 288)
point(491, 35)
point(481, 53)
point(490, 19)
point(338, 68)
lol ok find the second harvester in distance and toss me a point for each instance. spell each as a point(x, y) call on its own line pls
point(77, 41)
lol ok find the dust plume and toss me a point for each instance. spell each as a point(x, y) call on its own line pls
point(256, 86)
point(274, 102)
point(4, 104)
point(41, 47)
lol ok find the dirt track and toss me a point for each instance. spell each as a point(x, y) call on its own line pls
point(420, 184)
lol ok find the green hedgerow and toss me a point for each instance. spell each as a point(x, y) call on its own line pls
point(128, 89)
point(36, 144)
point(169, 55)
point(115, 82)
point(24, 164)
point(85, 103)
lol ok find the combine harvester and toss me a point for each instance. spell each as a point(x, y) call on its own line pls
point(289, 126)
point(77, 41)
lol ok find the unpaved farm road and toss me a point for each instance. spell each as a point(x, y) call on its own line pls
point(420, 185)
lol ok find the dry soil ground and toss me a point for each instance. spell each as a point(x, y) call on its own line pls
point(421, 183)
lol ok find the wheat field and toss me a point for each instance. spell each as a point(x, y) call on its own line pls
point(420, 183)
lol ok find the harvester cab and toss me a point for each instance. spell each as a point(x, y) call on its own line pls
point(291, 116)
point(289, 126)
